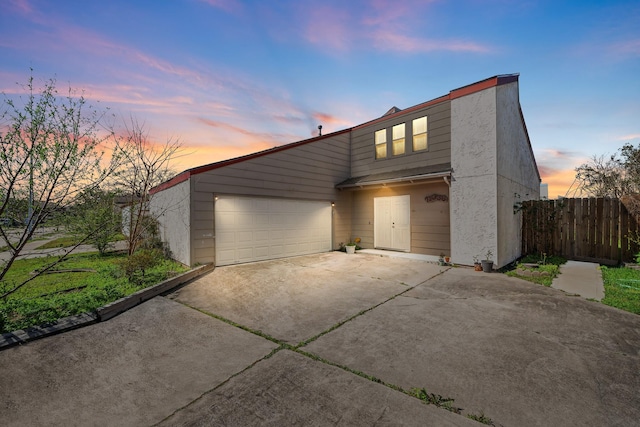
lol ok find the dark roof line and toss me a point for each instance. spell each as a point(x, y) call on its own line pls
point(455, 93)
point(401, 176)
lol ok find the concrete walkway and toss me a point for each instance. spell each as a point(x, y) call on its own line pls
point(30, 250)
point(580, 278)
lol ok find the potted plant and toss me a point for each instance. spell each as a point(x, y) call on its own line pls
point(447, 259)
point(487, 264)
point(352, 246)
point(476, 263)
point(441, 259)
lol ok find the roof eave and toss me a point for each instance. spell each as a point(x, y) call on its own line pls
point(414, 179)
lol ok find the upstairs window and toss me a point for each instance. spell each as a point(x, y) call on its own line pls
point(381, 144)
point(398, 139)
point(420, 134)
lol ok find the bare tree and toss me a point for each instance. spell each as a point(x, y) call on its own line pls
point(615, 176)
point(603, 176)
point(50, 152)
point(145, 166)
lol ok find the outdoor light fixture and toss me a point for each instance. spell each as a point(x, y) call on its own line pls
point(333, 204)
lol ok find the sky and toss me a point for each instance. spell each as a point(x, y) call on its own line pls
point(231, 77)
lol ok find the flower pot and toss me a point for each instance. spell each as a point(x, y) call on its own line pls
point(447, 259)
point(487, 266)
point(477, 266)
point(351, 249)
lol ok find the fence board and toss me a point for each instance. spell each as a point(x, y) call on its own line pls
point(594, 229)
point(590, 247)
point(606, 229)
point(624, 231)
point(570, 241)
point(615, 232)
point(581, 227)
point(598, 225)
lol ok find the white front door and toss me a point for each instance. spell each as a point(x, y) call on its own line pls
point(392, 222)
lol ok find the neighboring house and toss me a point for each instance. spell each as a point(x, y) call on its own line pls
point(439, 177)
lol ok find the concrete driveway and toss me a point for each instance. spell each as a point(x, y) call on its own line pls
point(331, 339)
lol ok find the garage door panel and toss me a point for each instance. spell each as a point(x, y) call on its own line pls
point(261, 219)
point(245, 237)
point(261, 236)
point(245, 254)
point(262, 251)
point(225, 256)
point(225, 219)
point(251, 229)
point(291, 249)
point(225, 238)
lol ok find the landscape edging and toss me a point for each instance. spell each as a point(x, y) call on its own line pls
point(106, 312)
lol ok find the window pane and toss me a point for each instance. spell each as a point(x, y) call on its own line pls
point(398, 131)
point(398, 146)
point(381, 136)
point(420, 125)
point(398, 139)
point(420, 142)
point(381, 151)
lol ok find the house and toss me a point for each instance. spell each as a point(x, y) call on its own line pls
point(439, 177)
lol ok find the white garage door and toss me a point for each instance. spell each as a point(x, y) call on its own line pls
point(255, 228)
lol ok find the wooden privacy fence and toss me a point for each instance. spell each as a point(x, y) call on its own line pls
point(594, 229)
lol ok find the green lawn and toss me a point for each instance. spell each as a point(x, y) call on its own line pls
point(52, 296)
point(621, 284)
point(622, 288)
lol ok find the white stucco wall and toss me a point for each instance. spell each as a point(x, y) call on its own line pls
point(518, 179)
point(172, 209)
point(473, 194)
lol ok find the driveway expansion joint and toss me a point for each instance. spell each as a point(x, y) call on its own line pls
point(437, 400)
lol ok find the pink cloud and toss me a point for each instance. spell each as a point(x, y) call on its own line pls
point(194, 156)
point(323, 118)
point(231, 6)
point(385, 25)
point(254, 137)
point(385, 40)
point(627, 48)
point(559, 154)
point(629, 137)
point(329, 27)
point(22, 6)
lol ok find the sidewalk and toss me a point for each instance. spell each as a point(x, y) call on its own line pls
point(30, 250)
point(581, 278)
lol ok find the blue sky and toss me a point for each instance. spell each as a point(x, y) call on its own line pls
point(230, 77)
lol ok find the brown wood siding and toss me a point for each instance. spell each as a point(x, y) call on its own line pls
point(439, 142)
point(202, 233)
point(430, 230)
point(342, 218)
point(309, 171)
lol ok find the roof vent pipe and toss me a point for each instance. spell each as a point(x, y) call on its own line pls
point(319, 130)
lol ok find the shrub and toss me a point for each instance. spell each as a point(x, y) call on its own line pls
point(136, 265)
